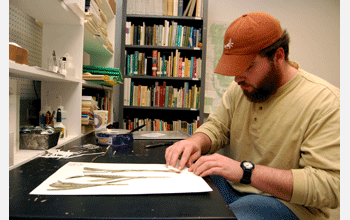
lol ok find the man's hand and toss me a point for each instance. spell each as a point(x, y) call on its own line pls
point(217, 164)
point(189, 149)
point(277, 182)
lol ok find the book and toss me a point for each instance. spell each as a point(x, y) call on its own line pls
point(154, 62)
point(170, 8)
point(180, 8)
point(199, 8)
point(188, 7)
point(190, 11)
point(127, 91)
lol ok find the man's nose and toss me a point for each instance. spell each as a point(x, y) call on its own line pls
point(240, 77)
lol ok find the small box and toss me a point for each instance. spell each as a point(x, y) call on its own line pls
point(18, 54)
point(38, 141)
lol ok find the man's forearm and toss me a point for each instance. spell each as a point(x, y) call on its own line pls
point(277, 182)
point(203, 140)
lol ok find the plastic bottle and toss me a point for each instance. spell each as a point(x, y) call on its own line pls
point(43, 111)
point(63, 66)
point(59, 126)
point(70, 66)
point(64, 113)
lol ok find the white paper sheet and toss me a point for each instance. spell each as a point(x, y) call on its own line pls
point(153, 135)
point(151, 182)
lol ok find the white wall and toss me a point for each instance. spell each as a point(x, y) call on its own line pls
point(313, 26)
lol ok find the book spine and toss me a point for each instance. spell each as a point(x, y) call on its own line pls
point(136, 62)
point(180, 8)
point(154, 62)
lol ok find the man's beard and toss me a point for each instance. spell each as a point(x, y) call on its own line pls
point(266, 88)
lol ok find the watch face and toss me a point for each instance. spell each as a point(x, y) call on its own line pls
point(248, 165)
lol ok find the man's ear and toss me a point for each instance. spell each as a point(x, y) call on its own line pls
point(279, 57)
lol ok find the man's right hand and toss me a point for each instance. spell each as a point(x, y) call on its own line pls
point(189, 149)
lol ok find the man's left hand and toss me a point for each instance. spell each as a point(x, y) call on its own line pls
point(217, 164)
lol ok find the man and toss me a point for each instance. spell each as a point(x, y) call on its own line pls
point(282, 126)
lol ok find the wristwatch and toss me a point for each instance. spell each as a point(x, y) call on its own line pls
point(248, 168)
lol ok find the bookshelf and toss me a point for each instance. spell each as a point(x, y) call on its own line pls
point(179, 76)
point(64, 30)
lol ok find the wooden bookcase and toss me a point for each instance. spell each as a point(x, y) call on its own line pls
point(153, 111)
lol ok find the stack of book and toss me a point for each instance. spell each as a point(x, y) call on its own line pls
point(166, 7)
point(102, 75)
point(160, 125)
point(88, 105)
point(161, 95)
point(169, 34)
point(96, 22)
point(158, 64)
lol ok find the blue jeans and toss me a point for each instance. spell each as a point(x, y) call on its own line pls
point(252, 206)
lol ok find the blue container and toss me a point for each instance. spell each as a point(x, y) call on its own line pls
point(114, 137)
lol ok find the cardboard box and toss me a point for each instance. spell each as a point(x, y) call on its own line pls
point(18, 54)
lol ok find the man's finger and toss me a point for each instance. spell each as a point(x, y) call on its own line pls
point(174, 156)
point(185, 158)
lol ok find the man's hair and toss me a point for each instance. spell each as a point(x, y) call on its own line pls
point(283, 42)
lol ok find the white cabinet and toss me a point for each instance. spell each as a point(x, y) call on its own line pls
point(64, 31)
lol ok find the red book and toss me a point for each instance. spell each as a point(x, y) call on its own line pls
point(139, 96)
point(194, 67)
point(154, 62)
point(156, 98)
point(162, 95)
point(179, 73)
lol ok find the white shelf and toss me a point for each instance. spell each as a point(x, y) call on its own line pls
point(22, 155)
point(37, 73)
point(64, 32)
point(48, 11)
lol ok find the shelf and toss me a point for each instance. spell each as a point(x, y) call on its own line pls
point(63, 30)
point(161, 108)
point(163, 78)
point(141, 20)
point(37, 73)
point(163, 17)
point(160, 47)
point(22, 156)
point(53, 11)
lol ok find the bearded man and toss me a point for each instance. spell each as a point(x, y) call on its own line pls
point(280, 123)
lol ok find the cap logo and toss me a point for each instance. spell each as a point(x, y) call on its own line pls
point(229, 45)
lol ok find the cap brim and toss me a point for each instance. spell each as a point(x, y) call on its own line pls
point(233, 65)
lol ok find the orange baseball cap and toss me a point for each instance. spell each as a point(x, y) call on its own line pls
point(243, 40)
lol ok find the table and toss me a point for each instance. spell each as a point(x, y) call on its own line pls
point(23, 179)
